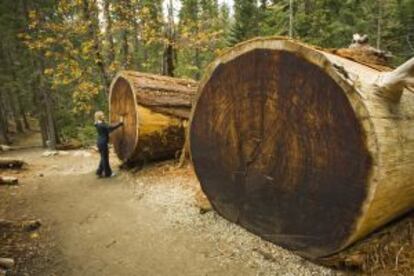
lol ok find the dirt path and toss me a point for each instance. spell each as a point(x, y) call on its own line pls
point(134, 224)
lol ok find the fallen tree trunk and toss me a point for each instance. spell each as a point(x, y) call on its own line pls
point(72, 145)
point(11, 164)
point(305, 148)
point(154, 110)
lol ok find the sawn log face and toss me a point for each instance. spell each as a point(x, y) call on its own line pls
point(154, 109)
point(278, 149)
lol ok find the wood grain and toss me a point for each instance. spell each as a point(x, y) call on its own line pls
point(154, 109)
point(299, 145)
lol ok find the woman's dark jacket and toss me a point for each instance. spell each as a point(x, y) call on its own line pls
point(103, 132)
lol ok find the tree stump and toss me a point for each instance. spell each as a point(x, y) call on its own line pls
point(154, 110)
point(305, 148)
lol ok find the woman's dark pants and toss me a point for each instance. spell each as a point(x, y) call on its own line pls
point(104, 166)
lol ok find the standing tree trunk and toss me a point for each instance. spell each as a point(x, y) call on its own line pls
point(91, 17)
point(125, 49)
point(379, 23)
point(168, 61)
point(37, 84)
point(15, 112)
point(308, 7)
point(4, 128)
point(47, 102)
point(135, 34)
point(18, 93)
point(109, 34)
point(11, 95)
point(23, 114)
point(197, 63)
point(290, 18)
point(39, 110)
point(169, 50)
point(52, 134)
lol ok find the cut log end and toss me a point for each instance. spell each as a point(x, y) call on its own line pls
point(123, 107)
point(154, 110)
point(276, 145)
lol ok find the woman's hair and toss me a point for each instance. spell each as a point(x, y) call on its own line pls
point(99, 116)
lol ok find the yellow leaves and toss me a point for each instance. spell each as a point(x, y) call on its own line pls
point(145, 11)
point(33, 18)
point(49, 40)
point(87, 47)
point(48, 71)
point(83, 95)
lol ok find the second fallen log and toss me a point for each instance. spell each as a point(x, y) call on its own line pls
point(154, 110)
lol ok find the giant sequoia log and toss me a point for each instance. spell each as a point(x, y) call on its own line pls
point(305, 148)
point(154, 109)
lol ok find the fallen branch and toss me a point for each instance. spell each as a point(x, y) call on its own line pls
point(5, 148)
point(73, 145)
point(26, 225)
point(8, 180)
point(11, 164)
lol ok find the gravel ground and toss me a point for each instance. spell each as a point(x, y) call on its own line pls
point(174, 191)
point(143, 223)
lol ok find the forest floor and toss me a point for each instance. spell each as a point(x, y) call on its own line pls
point(142, 223)
point(138, 223)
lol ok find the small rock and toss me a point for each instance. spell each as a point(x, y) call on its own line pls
point(34, 235)
point(202, 202)
point(50, 153)
point(5, 148)
point(82, 153)
point(32, 225)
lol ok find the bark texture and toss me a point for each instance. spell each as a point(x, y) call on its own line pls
point(154, 109)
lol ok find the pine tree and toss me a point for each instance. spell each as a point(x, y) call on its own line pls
point(151, 33)
point(201, 35)
point(246, 21)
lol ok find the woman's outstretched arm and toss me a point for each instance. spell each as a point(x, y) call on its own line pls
point(115, 126)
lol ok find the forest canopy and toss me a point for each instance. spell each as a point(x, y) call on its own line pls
point(58, 57)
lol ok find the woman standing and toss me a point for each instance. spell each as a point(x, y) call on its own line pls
point(103, 130)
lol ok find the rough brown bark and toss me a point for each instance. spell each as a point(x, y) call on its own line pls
point(90, 15)
point(46, 100)
point(4, 121)
point(168, 66)
point(15, 112)
point(154, 109)
point(305, 148)
point(109, 35)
